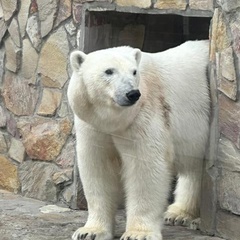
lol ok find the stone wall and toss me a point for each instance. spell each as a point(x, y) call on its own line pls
point(221, 189)
point(37, 156)
point(37, 139)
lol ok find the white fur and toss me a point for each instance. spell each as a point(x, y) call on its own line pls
point(133, 151)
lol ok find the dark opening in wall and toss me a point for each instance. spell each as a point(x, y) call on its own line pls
point(149, 32)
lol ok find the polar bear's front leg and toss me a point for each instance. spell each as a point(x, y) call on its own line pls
point(147, 186)
point(99, 170)
point(146, 181)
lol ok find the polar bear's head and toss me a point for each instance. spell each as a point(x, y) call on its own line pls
point(110, 76)
point(105, 82)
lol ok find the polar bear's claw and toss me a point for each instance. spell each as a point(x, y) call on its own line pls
point(140, 235)
point(84, 236)
point(195, 224)
point(91, 234)
point(177, 218)
point(168, 220)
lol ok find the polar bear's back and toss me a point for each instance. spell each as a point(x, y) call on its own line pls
point(183, 77)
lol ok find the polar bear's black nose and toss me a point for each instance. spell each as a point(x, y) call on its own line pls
point(133, 95)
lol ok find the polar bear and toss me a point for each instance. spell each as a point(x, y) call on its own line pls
point(140, 118)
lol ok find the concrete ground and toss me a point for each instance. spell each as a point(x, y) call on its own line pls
point(28, 219)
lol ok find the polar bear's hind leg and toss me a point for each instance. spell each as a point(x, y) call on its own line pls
point(187, 196)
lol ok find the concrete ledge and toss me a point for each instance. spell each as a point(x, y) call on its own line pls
point(24, 219)
point(105, 6)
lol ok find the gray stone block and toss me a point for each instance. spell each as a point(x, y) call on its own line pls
point(229, 191)
point(37, 182)
point(228, 155)
point(228, 225)
point(228, 5)
point(208, 202)
point(17, 150)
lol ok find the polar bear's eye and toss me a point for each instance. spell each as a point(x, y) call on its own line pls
point(109, 71)
point(134, 72)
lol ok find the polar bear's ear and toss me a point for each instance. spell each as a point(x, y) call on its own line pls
point(76, 60)
point(137, 55)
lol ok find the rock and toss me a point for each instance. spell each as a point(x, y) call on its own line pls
point(222, 39)
point(227, 64)
point(235, 30)
point(135, 3)
point(228, 88)
point(219, 36)
point(228, 191)
point(64, 110)
point(3, 144)
point(8, 175)
point(20, 97)
point(227, 225)
point(213, 36)
point(43, 139)
point(2, 56)
point(29, 61)
point(201, 4)
point(171, 4)
point(3, 29)
point(67, 157)
point(208, 201)
point(17, 150)
point(33, 31)
point(23, 16)
point(73, 195)
point(1, 10)
point(47, 11)
point(64, 176)
point(228, 5)
point(81, 200)
point(229, 123)
point(13, 30)
point(64, 11)
point(12, 126)
point(33, 7)
point(13, 55)
point(36, 180)
point(70, 28)
point(213, 86)
point(68, 195)
point(53, 60)
point(228, 155)
point(51, 99)
point(77, 12)
point(53, 209)
point(3, 118)
point(9, 8)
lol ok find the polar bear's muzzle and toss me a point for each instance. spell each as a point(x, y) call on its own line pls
point(129, 99)
point(124, 99)
point(133, 96)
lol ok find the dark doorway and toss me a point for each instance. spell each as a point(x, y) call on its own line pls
point(149, 32)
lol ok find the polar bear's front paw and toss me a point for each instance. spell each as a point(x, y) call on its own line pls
point(177, 216)
point(140, 235)
point(85, 233)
